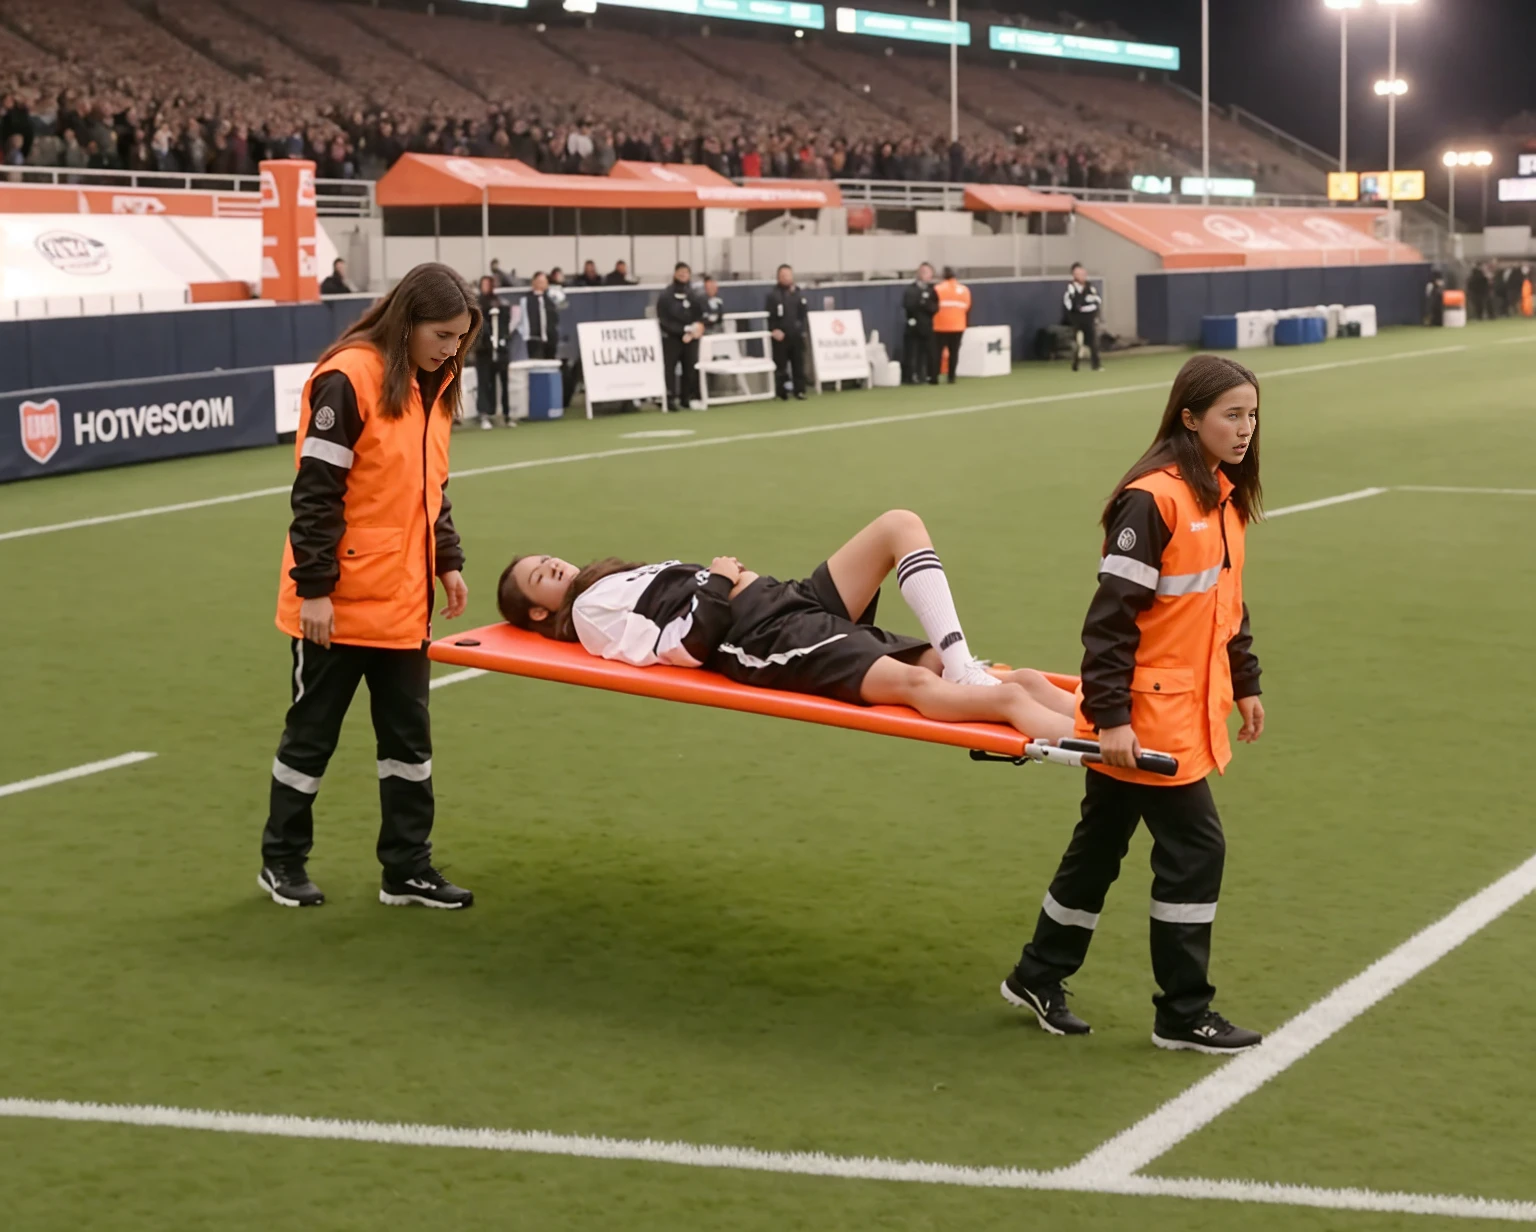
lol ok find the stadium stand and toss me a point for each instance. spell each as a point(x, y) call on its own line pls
point(216, 85)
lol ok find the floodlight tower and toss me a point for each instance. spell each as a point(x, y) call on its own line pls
point(1396, 88)
point(1344, 6)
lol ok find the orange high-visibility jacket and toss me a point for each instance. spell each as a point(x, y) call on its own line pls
point(1527, 299)
point(954, 307)
point(372, 525)
point(1166, 642)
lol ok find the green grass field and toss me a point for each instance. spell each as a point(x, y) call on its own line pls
point(700, 927)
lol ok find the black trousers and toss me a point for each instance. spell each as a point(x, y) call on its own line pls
point(323, 682)
point(682, 389)
point(919, 356)
point(490, 372)
point(1089, 326)
point(541, 350)
point(1188, 852)
point(948, 343)
point(789, 365)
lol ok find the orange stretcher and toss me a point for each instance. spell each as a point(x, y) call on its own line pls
point(517, 652)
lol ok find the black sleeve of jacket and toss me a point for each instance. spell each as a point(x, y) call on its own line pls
point(1137, 533)
point(1245, 664)
point(319, 489)
point(670, 313)
point(450, 555)
point(711, 618)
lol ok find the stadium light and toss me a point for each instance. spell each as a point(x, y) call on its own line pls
point(1343, 6)
point(1395, 86)
point(1467, 158)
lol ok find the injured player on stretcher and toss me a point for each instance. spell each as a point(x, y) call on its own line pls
point(815, 635)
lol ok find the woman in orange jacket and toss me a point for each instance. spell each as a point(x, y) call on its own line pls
point(1167, 656)
point(372, 531)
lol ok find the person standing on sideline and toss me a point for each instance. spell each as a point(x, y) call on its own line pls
point(1082, 305)
point(336, 283)
point(788, 320)
point(714, 307)
point(949, 323)
point(1167, 653)
point(542, 318)
point(920, 301)
point(491, 353)
point(1477, 294)
point(680, 313)
point(372, 527)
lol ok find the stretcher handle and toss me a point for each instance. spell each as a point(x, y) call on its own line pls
point(1073, 752)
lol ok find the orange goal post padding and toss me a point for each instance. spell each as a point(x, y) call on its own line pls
point(516, 652)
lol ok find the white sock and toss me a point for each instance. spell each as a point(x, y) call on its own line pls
point(920, 575)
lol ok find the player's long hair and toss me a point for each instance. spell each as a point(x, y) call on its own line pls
point(1200, 382)
point(517, 608)
point(430, 292)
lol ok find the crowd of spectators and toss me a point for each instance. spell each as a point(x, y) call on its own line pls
point(199, 88)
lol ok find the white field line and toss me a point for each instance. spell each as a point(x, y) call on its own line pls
point(76, 772)
point(1419, 487)
point(1344, 499)
point(469, 673)
point(688, 1155)
point(1133, 1149)
point(706, 442)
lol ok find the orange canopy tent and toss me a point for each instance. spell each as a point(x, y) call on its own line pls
point(1016, 199)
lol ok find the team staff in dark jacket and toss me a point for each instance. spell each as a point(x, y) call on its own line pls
point(714, 307)
point(542, 316)
point(491, 353)
point(788, 312)
point(1168, 653)
point(680, 313)
point(372, 528)
point(919, 345)
point(1082, 304)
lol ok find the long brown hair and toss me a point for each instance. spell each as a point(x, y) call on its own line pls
point(1200, 382)
point(430, 292)
point(516, 608)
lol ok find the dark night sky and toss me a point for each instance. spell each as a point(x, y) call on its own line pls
point(1470, 64)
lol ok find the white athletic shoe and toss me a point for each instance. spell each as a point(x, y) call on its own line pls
point(974, 672)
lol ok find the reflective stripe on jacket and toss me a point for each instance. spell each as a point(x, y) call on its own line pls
point(372, 525)
point(1166, 643)
point(954, 307)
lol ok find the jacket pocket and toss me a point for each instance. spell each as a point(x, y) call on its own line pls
point(370, 562)
point(1165, 709)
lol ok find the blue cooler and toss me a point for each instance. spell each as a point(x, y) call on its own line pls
point(545, 398)
point(1218, 333)
point(1291, 331)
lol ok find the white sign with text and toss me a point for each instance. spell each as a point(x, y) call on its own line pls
point(837, 345)
point(621, 360)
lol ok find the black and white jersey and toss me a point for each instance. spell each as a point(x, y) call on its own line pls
point(1082, 301)
point(668, 613)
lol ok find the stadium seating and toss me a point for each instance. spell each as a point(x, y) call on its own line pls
point(216, 85)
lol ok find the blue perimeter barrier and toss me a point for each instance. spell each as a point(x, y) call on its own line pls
point(127, 387)
point(1170, 306)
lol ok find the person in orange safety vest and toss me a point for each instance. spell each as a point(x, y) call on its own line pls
point(372, 532)
point(1167, 655)
point(949, 322)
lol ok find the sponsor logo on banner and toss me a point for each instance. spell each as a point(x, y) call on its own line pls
point(270, 198)
point(621, 360)
point(309, 264)
point(306, 187)
point(73, 253)
point(837, 345)
point(40, 431)
point(288, 381)
point(137, 205)
point(154, 419)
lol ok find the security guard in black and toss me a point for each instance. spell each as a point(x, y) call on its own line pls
point(680, 313)
point(788, 319)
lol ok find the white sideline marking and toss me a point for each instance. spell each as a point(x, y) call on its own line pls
point(76, 772)
point(702, 442)
point(1133, 1149)
point(469, 673)
point(748, 1159)
point(1325, 502)
point(658, 434)
point(1418, 487)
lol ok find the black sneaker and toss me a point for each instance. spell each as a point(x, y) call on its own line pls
point(1210, 1033)
point(1048, 1002)
point(289, 885)
point(426, 886)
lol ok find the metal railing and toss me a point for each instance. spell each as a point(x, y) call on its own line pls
point(333, 198)
point(921, 195)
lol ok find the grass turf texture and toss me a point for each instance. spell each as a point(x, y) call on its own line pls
point(716, 928)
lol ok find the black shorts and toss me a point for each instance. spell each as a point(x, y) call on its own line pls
point(798, 636)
